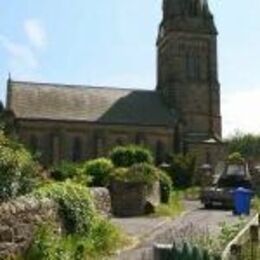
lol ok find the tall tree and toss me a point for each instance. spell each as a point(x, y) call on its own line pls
point(248, 145)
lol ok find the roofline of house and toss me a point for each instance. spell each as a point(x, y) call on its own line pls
point(79, 86)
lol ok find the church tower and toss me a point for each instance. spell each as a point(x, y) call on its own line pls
point(187, 73)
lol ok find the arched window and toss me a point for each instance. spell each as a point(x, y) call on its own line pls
point(99, 145)
point(76, 149)
point(34, 143)
point(160, 152)
point(119, 142)
point(140, 139)
point(208, 157)
point(193, 66)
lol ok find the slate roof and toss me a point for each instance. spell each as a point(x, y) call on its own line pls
point(43, 101)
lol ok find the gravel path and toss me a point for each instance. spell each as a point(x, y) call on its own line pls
point(162, 230)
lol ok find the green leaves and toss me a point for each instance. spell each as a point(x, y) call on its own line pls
point(126, 156)
point(137, 173)
point(98, 170)
point(19, 173)
point(75, 205)
point(247, 145)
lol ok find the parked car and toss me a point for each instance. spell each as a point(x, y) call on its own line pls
point(221, 193)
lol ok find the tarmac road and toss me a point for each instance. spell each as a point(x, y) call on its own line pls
point(162, 230)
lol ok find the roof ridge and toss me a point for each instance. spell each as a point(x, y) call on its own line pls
point(79, 86)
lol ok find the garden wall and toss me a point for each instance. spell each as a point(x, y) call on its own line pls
point(18, 221)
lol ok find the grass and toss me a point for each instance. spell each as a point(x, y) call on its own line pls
point(256, 204)
point(173, 209)
point(104, 240)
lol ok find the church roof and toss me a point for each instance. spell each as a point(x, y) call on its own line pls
point(43, 101)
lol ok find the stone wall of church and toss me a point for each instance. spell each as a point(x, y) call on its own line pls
point(208, 153)
point(57, 141)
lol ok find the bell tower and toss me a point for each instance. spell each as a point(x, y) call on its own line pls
point(187, 76)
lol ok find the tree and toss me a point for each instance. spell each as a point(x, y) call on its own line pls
point(1, 116)
point(248, 145)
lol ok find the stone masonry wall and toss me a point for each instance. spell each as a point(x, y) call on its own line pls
point(102, 200)
point(18, 221)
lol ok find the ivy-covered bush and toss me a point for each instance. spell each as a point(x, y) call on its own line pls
point(98, 170)
point(75, 205)
point(137, 173)
point(182, 169)
point(126, 156)
point(165, 186)
point(87, 235)
point(19, 173)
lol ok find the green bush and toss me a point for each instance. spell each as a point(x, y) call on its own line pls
point(126, 156)
point(235, 158)
point(182, 170)
point(137, 173)
point(50, 245)
point(65, 170)
point(98, 170)
point(19, 173)
point(75, 205)
point(165, 186)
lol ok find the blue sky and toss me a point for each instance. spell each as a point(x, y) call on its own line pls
point(112, 42)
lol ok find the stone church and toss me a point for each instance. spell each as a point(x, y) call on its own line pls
point(69, 122)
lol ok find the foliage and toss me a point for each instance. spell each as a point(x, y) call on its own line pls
point(68, 170)
point(174, 207)
point(126, 156)
point(102, 241)
point(256, 204)
point(19, 173)
point(190, 252)
point(182, 170)
point(2, 124)
point(98, 170)
point(235, 158)
point(228, 232)
point(165, 186)
point(75, 205)
point(197, 236)
point(248, 145)
point(137, 173)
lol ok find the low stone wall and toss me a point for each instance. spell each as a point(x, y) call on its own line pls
point(102, 200)
point(18, 221)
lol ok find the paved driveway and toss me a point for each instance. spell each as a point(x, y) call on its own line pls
point(163, 230)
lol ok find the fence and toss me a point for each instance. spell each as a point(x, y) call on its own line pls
point(187, 252)
point(246, 245)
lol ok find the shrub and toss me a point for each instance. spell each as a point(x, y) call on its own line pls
point(99, 171)
point(235, 158)
point(49, 245)
point(126, 156)
point(137, 173)
point(19, 173)
point(75, 205)
point(182, 170)
point(165, 186)
point(65, 170)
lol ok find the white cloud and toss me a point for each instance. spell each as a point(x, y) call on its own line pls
point(19, 54)
point(36, 33)
point(241, 111)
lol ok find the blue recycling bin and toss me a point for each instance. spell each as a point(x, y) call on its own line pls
point(242, 201)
